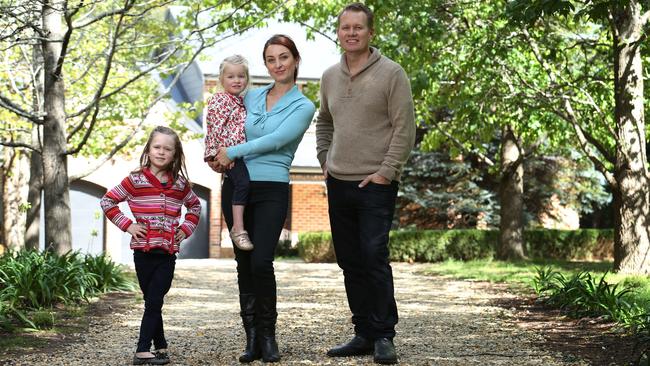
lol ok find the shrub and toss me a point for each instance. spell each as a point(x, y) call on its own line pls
point(284, 249)
point(43, 279)
point(110, 276)
point(316, 247)
point(31, 281)
point(43, 319)
point(440, 245)
point(569, 244)
point(583, 295)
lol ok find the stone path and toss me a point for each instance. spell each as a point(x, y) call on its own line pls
point(442, 322)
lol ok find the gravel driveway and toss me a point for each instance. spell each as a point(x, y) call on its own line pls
point(442, 322)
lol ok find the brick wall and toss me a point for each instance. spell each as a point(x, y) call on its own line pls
point(308, 206)
point(215, 222)
point(307, 212)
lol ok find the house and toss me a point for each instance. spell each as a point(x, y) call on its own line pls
point(92, 233)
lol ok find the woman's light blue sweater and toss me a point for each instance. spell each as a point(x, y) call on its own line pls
point(272, 137)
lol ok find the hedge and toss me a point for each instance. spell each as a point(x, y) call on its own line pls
point(440, 245)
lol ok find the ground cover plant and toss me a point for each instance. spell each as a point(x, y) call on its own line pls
point(33, 284)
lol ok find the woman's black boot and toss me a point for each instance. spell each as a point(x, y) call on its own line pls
point(247, 306)
point(265, 322)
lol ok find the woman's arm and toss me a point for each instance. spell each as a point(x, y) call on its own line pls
point(290, 130)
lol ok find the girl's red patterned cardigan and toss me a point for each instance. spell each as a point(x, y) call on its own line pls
point(155, 206)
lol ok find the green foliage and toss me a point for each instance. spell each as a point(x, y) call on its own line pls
point(573, 183)
point(43, 319)
point(530, 10)
point(441, 192)
point(470, 244)
point(440, 245)
point(519, 274)
point(31, 280)
point(129, 45)
point(284, 249)
point(316, 247)
point(569, 244)
point(446, 192)
point(42, 280)
point(581, 288)
point(312, 91)
point(110, 276)
point(584, 295)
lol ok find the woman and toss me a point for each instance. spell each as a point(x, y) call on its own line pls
point(278, 116)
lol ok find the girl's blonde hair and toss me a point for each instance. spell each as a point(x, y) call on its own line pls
point(177, 167)
point(234, 60)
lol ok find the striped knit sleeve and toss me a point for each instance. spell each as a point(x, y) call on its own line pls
point(191, 201)
point(111, 200)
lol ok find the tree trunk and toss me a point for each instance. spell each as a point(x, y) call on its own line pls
point(631, 240)
point(3, 175)
point(35, 189)
point(14, 194)
point(58, 236)
point(511, 191)
point(33, 220)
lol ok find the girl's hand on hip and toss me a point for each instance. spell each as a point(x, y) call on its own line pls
point(180, 236)
point(138, 231)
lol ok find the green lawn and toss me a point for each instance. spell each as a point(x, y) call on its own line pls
point(519, 274)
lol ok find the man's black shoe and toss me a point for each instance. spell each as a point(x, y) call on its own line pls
point(358, 346)
point(385, 351)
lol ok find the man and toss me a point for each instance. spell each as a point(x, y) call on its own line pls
point(365, 131)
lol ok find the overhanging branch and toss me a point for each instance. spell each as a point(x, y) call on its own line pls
point(19, 145)
point(482, 157)
point(584, 144)
point(7, 104)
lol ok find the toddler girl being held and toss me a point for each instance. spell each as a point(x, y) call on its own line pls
point(225, 119)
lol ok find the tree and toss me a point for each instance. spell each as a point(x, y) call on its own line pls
point(610, 33)
point(94, 63)
point(458, 56)
point(438, 191)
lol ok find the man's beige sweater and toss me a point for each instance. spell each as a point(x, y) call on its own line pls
point(366, 121)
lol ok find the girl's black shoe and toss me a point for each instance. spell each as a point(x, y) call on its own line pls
point(157, 360)
point(161, 356)
point(142, 360)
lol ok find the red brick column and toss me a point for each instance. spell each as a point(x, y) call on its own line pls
point(215, 221)
point(309, 210)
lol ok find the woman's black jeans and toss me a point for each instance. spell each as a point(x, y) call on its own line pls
point(155, 272)
point(266, 212)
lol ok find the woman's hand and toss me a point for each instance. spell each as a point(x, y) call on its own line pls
point(214, 165)
point(217, 167)
point(138, 231)
point(222, 157)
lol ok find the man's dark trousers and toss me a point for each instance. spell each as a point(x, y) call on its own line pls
point(360, 219)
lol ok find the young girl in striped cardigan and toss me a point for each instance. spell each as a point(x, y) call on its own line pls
point(155, 193)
